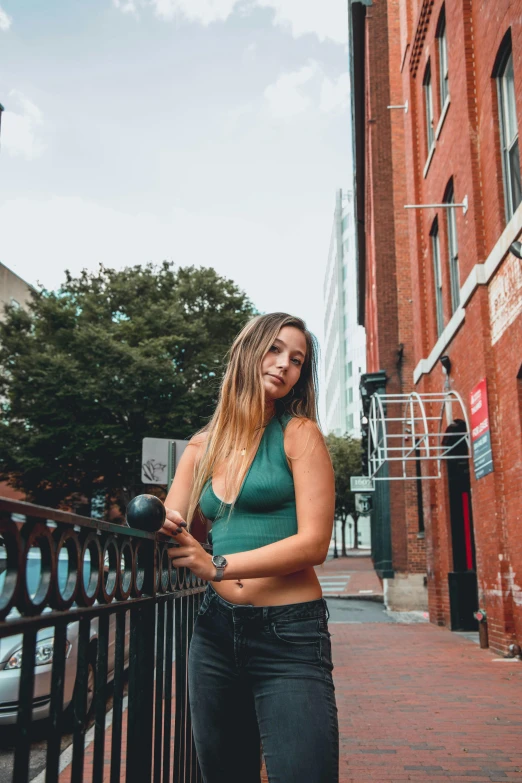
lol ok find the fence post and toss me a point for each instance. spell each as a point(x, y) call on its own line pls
point(141, 680)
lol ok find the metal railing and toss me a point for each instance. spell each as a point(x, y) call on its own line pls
point(83, 601)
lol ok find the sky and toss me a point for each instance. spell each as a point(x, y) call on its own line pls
point(206, 132)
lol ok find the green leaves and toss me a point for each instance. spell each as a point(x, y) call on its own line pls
point(110, 358)
point(346, 457)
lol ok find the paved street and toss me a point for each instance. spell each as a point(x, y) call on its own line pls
point(350, 577)
point(416, 702)
point(360, 611)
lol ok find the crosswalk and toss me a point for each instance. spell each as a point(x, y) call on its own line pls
point(334, 585)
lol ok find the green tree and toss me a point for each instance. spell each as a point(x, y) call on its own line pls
point(346, 458)
point(110, 358)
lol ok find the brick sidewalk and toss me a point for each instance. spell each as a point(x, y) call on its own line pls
point(350, 577)
point(418, 703)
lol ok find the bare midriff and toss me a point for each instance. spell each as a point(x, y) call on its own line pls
point(272, 590)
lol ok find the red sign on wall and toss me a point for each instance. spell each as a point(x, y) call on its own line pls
point(480, 430)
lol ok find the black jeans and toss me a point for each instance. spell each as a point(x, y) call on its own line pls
point(263, 674)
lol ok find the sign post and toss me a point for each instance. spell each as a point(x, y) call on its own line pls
point(363, 504)
point(159, 460)
point(480, 430)
point(361, 484)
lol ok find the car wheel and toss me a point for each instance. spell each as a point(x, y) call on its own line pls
point(91, 689)
point(91, 684)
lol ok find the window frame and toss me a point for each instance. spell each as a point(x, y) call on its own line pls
point(437, 276)
point(507, 108)
point(427, 86)
point(442, 40)
point(453, 248)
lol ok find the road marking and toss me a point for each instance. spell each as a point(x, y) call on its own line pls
point(335, 584)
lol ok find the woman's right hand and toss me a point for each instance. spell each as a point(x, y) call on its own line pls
point(174, 523)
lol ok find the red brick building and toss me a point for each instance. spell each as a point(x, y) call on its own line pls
point(453, 156)
point(385, 298)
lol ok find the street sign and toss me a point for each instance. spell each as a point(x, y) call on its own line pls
point(480, 430)
point(361, 484)
point(159, 459)
point(363, 503)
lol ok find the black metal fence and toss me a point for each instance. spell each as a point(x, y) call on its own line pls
point(90, 613)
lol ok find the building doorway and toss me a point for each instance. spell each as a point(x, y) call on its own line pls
point(462, 581)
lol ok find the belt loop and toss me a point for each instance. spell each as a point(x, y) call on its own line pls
point(327, 610)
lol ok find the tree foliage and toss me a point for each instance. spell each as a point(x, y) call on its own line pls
point(110, 358)
point(345, 452)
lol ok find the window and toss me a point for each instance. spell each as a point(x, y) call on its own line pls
point(443, 61)
point(349, 370)
point(428, 100)
point(350, 395)
point(420, 505)
point(437, 270)
point(453, 249)
point(508, 129)
point(350, 422)
point(345, 223)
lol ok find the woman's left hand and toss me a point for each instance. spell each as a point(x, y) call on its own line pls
point(190, 554)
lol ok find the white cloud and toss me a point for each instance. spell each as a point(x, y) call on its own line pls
point(327, 19)
point(297, 91)
point(287, 97)
point(43, 237)
point(20, 127)
point(126, 6)
point(335, 95)
point(203, 11)
point(5, 20)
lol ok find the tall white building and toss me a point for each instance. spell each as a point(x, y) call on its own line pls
point(345, 340)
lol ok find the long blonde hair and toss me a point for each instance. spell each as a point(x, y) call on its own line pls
point(239, 415)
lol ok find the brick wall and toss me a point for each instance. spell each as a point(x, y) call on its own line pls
point(390, 315)
point(467, 150)
point(401, 318)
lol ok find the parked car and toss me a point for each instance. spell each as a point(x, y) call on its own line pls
point(11, 654)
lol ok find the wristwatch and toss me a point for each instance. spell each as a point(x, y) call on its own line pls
point(220, 564)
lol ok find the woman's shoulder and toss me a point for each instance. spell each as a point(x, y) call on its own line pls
point(301, 434)
point(199, 439)
point(198, 443)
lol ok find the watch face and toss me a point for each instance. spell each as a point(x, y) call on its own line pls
point(219, 561)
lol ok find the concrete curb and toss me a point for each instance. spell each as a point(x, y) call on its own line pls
point(376, 598)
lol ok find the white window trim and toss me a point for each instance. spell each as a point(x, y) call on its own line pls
point(443, 77)
point(506, 163)
point(453, 253)
point(443, 113)
point(437, 273)
point(427, 86)
point(481, 274)
point(431, 153)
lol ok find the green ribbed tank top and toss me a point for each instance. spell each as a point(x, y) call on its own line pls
point(264, 511)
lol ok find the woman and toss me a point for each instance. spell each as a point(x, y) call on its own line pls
point(260, 657)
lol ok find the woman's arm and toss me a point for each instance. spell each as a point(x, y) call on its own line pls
point(315, 503)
